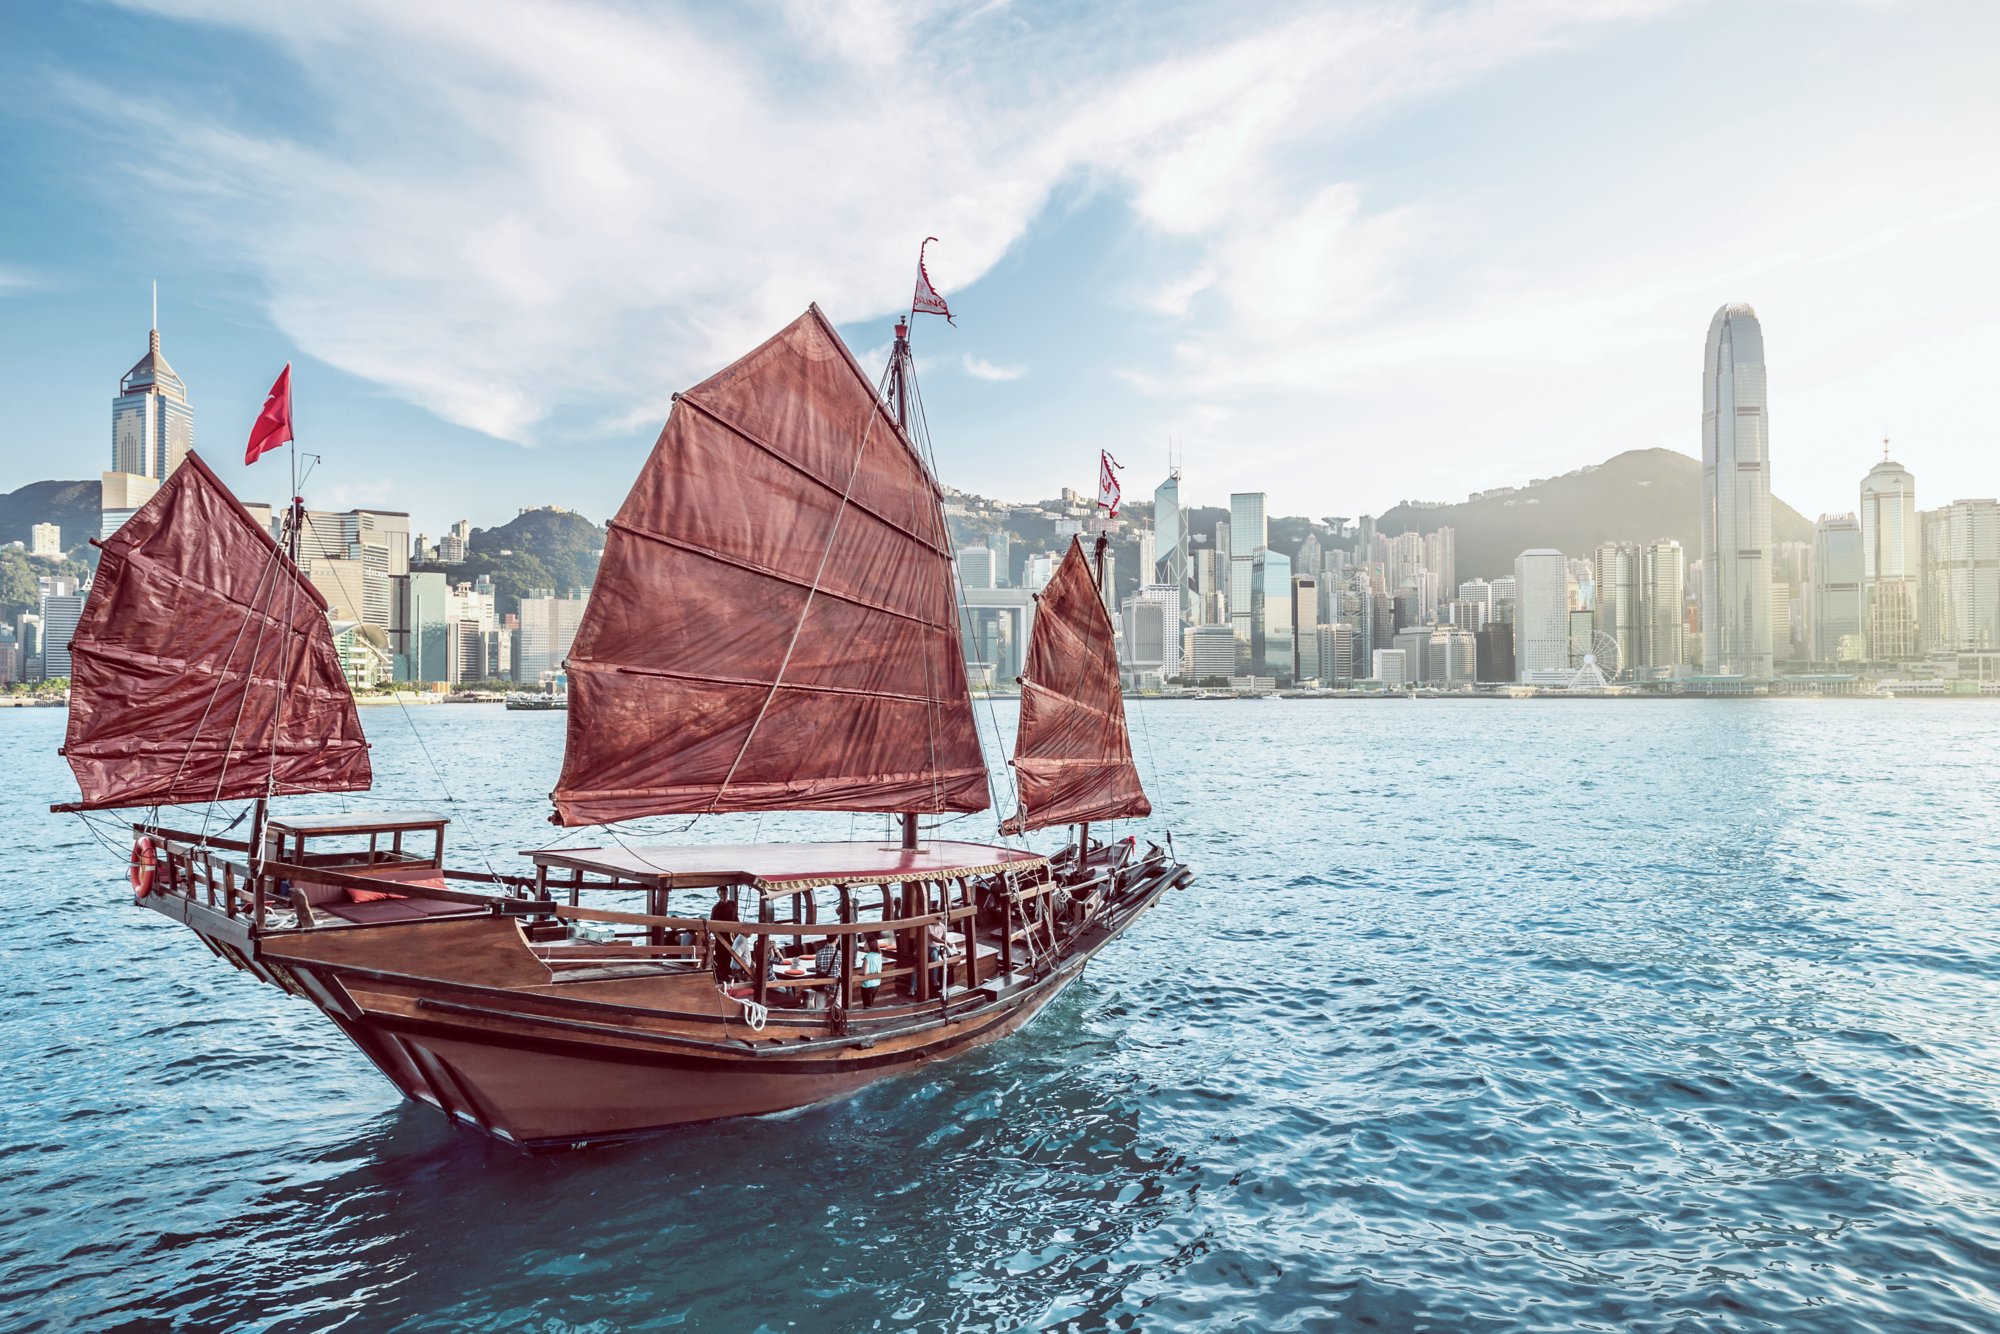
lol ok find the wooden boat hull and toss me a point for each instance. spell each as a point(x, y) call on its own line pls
point(457, 1014)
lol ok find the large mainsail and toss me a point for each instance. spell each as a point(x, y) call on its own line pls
point(203, 668)
point(773, 625)
point(1072, 755)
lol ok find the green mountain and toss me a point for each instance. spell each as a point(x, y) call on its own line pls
point(539, 548)
point(1637, 496)
point(72, 506)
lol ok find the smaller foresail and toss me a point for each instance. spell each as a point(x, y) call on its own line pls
point(203, 668)
point(1072, 755)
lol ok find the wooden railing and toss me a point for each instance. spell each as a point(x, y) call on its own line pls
point(198, 869)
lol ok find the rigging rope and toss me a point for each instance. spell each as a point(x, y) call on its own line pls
point(920, 434)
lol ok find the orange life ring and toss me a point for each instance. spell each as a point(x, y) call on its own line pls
point(145, 863)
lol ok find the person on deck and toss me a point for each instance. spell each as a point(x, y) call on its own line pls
point(723, 910)
point(937, 941)
point(869, 964)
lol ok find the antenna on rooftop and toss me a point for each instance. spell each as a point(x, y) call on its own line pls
point(156, 303)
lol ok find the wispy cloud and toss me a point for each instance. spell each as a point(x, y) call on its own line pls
point(981, 369)
point(14, 280)
point(506, 213)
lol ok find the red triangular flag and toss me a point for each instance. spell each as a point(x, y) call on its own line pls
point(274, 423)
point(927, 301)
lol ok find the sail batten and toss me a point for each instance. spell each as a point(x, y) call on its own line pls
point(1072, 754)
point(203, 668)
point(773, 625)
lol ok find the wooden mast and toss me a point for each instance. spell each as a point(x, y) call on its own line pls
point(899, 392)
point(1097, 573)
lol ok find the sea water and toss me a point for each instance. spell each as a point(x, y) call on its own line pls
point(1481, 1015)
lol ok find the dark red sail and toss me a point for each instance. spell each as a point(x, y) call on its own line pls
point(203, 668)
point(773, 626)
point(1072, 755)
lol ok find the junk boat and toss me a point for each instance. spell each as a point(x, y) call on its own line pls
point(774, 628)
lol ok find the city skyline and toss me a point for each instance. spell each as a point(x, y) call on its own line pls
point(1289, 303)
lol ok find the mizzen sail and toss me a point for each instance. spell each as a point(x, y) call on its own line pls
point(1072, 755)
point(773, 625)
point(203, 668)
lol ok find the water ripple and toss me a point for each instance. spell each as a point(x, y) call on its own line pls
point(1480, 1017)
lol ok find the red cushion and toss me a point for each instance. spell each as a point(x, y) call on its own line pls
point(371, 895)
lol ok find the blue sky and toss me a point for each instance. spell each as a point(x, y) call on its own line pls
point(1346, 254)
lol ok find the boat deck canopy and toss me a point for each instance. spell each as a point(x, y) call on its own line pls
point(783, 868)
point(358, 822)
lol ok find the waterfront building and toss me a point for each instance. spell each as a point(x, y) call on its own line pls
point(1891, 558)
point(351, 557)
point(28, 645)
point(1453, 657)
point(419, 639)
point(1391, 668)
point(1310, 559)
point(152, 423)
point(341, 582)
point(1001, 544)
point(1041, 568)
point(61, 609)
point(1305, 628)
point(120, 496)
point(1249, 533)
point(1736, 499)
point(1414, 643)
point(1211, 653)
point(1479, 593)
point(1615, 582)
point(363, 651)
point(1505, 600)
point(996, 623)
point(1336, 654)
point(1839, 611)
point(1441, 555)
point(1541, 623)
point(1271, 636)
point(975, 568)
point(548, 626)
point(1583, 639)
point(1493, 653)
point(1150, 629)
point(1963, 564)
point(1663, 602)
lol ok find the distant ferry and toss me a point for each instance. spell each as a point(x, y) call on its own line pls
point(538, 701)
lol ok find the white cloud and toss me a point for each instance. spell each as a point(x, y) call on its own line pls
point(981, 369)
point(15, 280)
point(532, 211)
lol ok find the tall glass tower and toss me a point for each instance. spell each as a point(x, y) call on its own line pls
point(1890, 560)
point(152, 426)
point(1735, 499)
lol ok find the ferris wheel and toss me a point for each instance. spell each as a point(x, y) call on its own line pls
point(1599, 666)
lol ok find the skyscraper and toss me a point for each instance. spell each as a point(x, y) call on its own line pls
point(152, 426)
point(1541, 618)
point(1616, 578)
point(1249, 533)
point(1839, 615)
point(975, 568)
point(1736, 498)
point(1890, 560)
point(1663, 595)
point(1966, 569)
point(1271, 635)
point(1305, 628)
